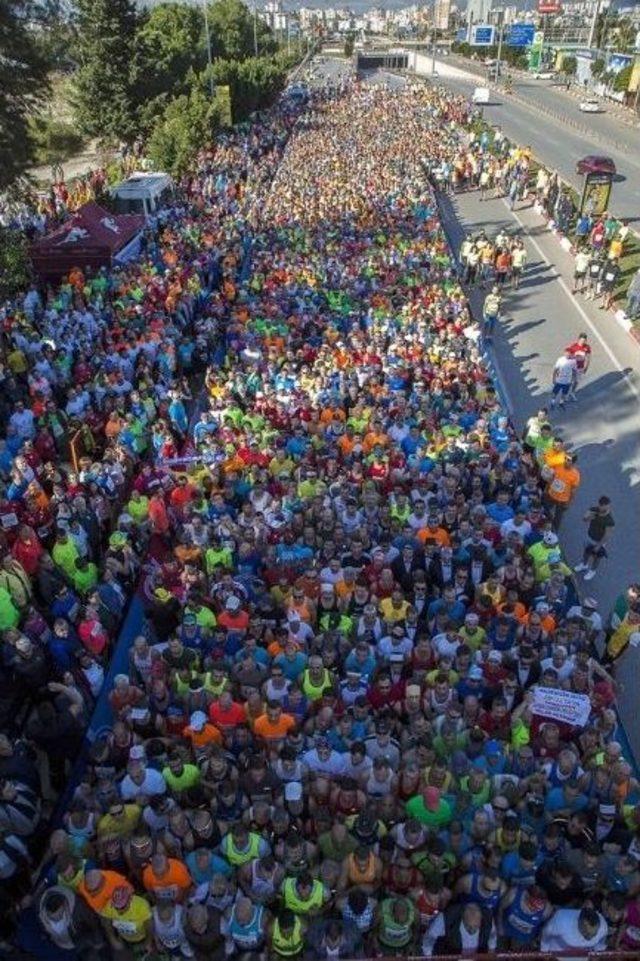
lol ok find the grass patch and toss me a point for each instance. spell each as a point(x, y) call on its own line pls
point(629, 263)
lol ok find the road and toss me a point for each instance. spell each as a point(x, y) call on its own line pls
point(553, 140)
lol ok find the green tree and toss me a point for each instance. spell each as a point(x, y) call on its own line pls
point(253, 84)
point(349, 45)
point(597, 68)
point(235, 31)
point(569, 66)
point(624, 34)
point(15, 262)
point(622, 79)
point(169, 43)
point(105, 98)
point(187, 125)
point(23, 86)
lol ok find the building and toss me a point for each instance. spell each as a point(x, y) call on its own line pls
point(441, 13)
point(479, 11)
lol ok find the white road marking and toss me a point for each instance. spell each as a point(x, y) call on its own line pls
point(592, 327)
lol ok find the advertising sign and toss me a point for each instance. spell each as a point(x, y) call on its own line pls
point(482, 35)
point(520, 35)
point(548, 6)
point(595, 194)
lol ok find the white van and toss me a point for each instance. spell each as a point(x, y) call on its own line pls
point(481, 95)
point(142, 193)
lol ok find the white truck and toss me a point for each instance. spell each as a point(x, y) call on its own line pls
point(481, 95)
point(143, 193)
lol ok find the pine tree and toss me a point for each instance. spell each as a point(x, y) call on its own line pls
point(23, 84)
point(104, 90)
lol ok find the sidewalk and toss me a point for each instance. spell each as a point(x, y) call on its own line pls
point(541, 318)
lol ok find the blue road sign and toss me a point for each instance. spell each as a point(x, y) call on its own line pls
point(520, 35)
point(461, 35)
point(482, 35)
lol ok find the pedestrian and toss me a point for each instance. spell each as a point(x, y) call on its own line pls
point(518, 262)
point(491, 313)
point(580, 350)
point(608, 279)
point(600, 524)
point(632, 308)
point(563, 378)
point(580, 269)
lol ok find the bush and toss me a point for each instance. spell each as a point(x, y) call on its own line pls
point(15, 262)
point(55, 141)
point(188, 124)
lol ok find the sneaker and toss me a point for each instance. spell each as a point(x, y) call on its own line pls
point(572, 397)
point(589, 575)
point(580, 567)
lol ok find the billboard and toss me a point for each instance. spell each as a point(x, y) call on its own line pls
point(482, 35)
point(548, 6)
point(520, 35)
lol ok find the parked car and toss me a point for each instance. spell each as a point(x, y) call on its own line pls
point(596, 164)
point(544, 75)
point(591, 106)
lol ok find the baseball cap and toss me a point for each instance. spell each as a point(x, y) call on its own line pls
point(475, 673)
point(550, 539)
point(232, 603)
point(136, 753)
point(495, 657)
point(590, 603)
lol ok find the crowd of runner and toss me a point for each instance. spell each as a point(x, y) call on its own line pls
point(331, 740)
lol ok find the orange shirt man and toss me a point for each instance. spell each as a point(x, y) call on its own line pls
point(167, 878)
point(564, 483)
point(98, 887)
point(274, 724)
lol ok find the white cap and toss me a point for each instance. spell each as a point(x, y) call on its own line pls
point(198, 720)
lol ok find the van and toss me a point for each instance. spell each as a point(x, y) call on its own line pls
point(481, 95)
point(142, 193)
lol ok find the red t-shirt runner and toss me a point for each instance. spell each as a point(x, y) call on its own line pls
point(581, 352)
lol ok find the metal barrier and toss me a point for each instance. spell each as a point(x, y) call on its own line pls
point(575, 954)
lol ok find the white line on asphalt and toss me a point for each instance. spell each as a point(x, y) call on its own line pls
point(612, 357)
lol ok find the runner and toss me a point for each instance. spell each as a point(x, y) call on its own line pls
point(564, 378)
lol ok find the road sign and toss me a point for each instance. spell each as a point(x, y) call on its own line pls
point(461, 35)
point(520, 35)
point(482, 35)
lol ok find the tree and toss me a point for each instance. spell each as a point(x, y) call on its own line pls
point(349, 44)
point(597, 68)
point(235, 31)
point(169, 43)
point(625, 35)
point(569, 66)
point(622, 79)
point(254, 84)
point(105, 98)
point(15, 262)
point(23, 85)
point(187, 125)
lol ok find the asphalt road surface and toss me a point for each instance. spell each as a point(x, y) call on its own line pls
point(553, 141)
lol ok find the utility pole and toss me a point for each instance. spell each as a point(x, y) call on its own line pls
point(212, 86)
point(500, 36)
point(594, 23)
point(433, 46)
point(255, 29)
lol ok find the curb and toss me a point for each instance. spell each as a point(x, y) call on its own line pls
point(618, 313)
